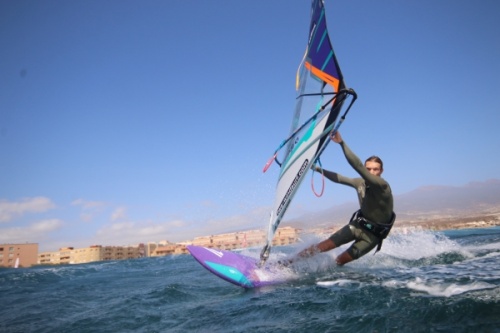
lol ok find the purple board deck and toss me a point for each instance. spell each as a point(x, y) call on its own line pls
point(238, 269)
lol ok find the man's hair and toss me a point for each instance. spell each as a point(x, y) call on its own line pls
point(375, 159)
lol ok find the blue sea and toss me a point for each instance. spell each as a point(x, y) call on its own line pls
point(421, 281)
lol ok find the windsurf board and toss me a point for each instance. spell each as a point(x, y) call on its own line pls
point(236, 268)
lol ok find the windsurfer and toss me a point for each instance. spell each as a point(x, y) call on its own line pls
point(372, 222)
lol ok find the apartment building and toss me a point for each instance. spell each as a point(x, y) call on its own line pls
point(26, 255)
point(123, 252)
point(70, 255)
point(284, 236)
point(86, 254)
point(169, 249)
point(49, 258)
point(18, 255)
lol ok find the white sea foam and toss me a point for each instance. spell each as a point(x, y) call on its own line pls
point(484, 247)
point(414, 244)
point(422, 261)
point(339, 282)
point(436, 288)
point(275, 274)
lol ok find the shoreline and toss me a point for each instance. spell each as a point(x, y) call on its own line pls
point(453, 223)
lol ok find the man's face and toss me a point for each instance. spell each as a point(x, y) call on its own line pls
point(373, 168)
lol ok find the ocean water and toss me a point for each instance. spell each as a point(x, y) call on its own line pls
point(421, 281)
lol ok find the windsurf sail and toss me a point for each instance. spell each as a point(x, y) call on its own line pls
point(321, 93)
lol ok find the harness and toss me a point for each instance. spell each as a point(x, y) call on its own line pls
point(381, 230)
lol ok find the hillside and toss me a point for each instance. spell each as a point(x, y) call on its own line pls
point(428, 206)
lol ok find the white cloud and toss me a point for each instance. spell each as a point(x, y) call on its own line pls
point(123, 233)
point(126, 233)
point(256, 218)
point(120, 227)
point(177, 223)
point(119, 213)
point(88, 204)
point(32, 233)
point(120, 230)
point(46, 225)
point(11, 209)
point(89, 208)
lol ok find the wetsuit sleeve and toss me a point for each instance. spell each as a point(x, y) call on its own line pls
point(338, 178)
point(360, 168)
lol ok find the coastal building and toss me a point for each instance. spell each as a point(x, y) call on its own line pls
point(166, 249)
point(229, 241)
point(150, 248)
point(70, 255)
point(65, 255)
point(86, 254)
point(124, 252)
point(251, 238)
point(49, 258)
point(18, 255)
point(93, 253)
point(286, 236)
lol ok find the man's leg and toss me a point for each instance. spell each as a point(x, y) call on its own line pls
point(364, 243)
point(339, 238)
point(324, 246)
point(344, 258)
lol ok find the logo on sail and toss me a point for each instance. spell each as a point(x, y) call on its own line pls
point(283, 203)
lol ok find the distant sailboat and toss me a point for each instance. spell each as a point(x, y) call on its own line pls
point(16, 264)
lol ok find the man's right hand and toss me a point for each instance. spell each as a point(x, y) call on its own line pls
point(337, 138)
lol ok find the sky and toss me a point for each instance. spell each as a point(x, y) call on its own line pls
point(134, 121)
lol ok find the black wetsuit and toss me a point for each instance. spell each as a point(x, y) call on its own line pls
point(376, 205)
